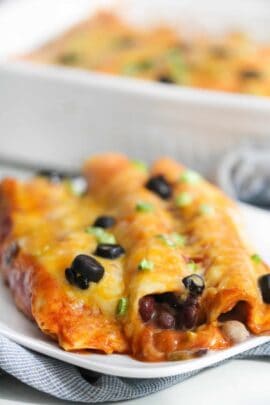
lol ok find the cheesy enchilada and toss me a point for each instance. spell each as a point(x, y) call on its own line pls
point(153, 263)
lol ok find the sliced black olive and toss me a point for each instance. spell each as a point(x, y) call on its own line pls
point(194, 283)
point(159, 185)
point(70, 276)
point(104, 221)
point(74, 278)
point(264, 283)
point(109, 251)
point(84, 269)
point(165, 79)
point(248, 74)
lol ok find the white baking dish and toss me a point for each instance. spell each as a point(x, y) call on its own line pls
point(58, 116)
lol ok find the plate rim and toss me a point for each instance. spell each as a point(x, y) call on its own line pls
point(167, 369)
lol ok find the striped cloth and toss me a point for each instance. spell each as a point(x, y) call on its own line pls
point(244, 174)
point(70, 383)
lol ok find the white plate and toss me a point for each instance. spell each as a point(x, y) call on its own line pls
point(16, 327)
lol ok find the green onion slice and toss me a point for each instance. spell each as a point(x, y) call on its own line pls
point(183, 199)
point(174, 239)
point(146, 265)
point(176, 66)
point(142, 206)
point(100, 234)
point(192, 266)
point(140, 165)
point(206, 209)
point(122, 306)
point(256, 258)
point(76, 188)
point(190, 177)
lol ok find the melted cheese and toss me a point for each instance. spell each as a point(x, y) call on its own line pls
point(49, 225)
point(106, 44)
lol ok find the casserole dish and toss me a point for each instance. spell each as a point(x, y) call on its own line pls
point(44, 107)
point(107, 44)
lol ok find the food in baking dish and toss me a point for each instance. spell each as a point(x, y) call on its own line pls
point(104, 43)
point(153, 263)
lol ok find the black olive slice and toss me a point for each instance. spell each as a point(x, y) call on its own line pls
point(109, 251)
point(104, 221)
point(249, 74)
point(165, 79)
point(264, 284)
point(84, 269)
point(159, 185)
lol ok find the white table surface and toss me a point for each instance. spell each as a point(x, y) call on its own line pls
point(238, 382)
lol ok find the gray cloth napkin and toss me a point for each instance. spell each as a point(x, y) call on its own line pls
point(244, 174)
point(67, 382)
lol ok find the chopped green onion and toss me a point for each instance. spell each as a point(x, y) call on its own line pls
point(122, 306)
point(206, 209)
point(166, 239)
point(192, 266)
point(190, 177)
point(146, 265)
point(179, 240)
point(69, 58)
point(173, 239)
point(140, 165)
point(183, 199)
point(135, 68)
point(101, 235)
point(142, 206)
point(70, 186)
point(74, 187)
point(256, 258)
point(176, 65)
